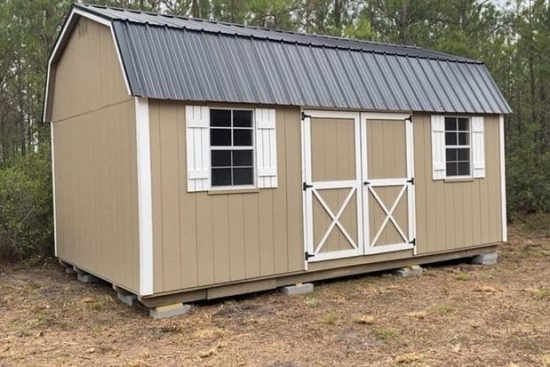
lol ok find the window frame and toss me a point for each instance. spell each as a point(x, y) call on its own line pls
point(252, 147)
point(457, 146)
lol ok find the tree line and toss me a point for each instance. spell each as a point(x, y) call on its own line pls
point(511, 37)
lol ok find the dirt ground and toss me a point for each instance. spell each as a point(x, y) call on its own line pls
point(454, 315)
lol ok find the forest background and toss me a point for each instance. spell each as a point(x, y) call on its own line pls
point(511, 37)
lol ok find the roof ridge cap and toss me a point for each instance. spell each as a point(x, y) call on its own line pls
point(461, 59)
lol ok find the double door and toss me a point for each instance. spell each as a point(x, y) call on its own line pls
point(358, 184)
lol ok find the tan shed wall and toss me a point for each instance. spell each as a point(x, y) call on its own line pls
point(95, 159)
point(204, 238)
point(449, 215)
point(453, 215)
point(88, 76)
point(201, 238)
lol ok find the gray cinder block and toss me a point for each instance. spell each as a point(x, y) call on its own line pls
point(127, 298)
point(84, 277)
point(293, 290)
point(163, 312)
point(485, 259)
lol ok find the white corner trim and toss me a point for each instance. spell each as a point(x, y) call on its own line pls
point(71, 18)
point(53, 191)
point(503, 179)
point(145, 198)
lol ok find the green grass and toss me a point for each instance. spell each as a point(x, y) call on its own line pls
point(541, 293)
point(464, 277)
point(385, 333)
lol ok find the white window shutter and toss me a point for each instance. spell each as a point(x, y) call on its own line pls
point(439, 169)
point(266, 148)
point(478, 147)
point(197, 124)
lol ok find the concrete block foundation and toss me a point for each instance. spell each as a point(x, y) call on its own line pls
point(125, 297)
point(84, 277)
point(293, 290)
point(485, 259)
point(163, 312)
point(409, 271)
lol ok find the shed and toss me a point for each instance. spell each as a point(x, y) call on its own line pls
point(196, 159)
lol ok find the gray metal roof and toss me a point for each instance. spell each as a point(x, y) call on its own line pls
point(167, 57)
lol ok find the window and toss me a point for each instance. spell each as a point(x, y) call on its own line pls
point(231, 147)
point(457, 146)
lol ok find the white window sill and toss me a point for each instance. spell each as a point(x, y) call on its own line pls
point(233, 190)
point(459, 179)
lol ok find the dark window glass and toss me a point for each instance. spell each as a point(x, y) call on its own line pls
point(220, 137)
point(457, 133)
point(450, 138)
point(463, 124)
point(451, 169)
point(242, 137)
point(463, 154)
point(451, 154)
point(221, 158)
point(221, 176)
point(242, 176)
point(242, 158)
point(230, 129)
point(242, 118)
point(220, 118)
point(463, 138)
point(463, 168)
point(450, 123)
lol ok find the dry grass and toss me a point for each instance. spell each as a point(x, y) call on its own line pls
point(454, 315)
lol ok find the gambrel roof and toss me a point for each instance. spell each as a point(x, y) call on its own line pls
point(178, 58)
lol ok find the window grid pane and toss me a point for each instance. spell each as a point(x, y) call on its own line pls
point(232, 147)
point(457, 141)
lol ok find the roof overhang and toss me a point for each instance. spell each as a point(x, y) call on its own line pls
point(63, 37)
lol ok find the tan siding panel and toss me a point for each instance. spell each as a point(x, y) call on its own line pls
point(251, 236)
point(170, 215)
point(95, 159)
point(333, 149)
point(291, 144)
point(96, 193)
point(454, 215)
point(225, 237)
point(88, 76)
point(386, 149)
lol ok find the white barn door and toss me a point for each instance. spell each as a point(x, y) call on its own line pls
point(388, 182)
point(358, 184)
point(332, 185)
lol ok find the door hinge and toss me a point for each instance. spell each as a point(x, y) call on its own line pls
point(304, 116)
point(411, 181)
point(366, 183)
point(305, 186)
point(413, 242)
point(410, 119)
point(308, 255)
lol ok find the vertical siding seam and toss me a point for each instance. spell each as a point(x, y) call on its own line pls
point(273, 251)
point(227, 239)
point(259, 236)
point(244, 239)
point(212, 245)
